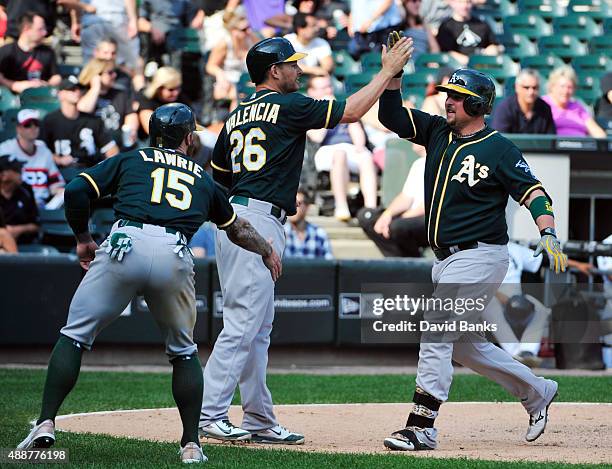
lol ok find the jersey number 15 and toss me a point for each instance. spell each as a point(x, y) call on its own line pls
point(173, 182)
point(253, 154)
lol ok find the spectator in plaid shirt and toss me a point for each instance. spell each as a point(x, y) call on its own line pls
point(304, 239)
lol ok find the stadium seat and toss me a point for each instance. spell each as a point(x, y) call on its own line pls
point(562, 45)
point(499, 67)
point(436, 60)
point(415, 98)
point(44, 99)
point(8, 123)
point(102, 221)
point(344, 64)
point(245, 86)
point(601, 45)
point(605, 124)
point(370, 61)
point(184, 39)
point(544, 64)
point(532, 26)
point(53, 223)
point(65, 70)
point(607, 26)
point(41, 249)
point(588, 88)
point(341, 41)
point(518, 46)
point(599, 10)
point(7, 99)
point(547, 9)
point(592, 64)
point(496, 8)
point(416, 83)
point(580, 26)
point(353, 83)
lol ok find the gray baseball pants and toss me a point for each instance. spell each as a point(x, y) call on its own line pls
point(485, 266)
point(240, 354)
point(152, 269)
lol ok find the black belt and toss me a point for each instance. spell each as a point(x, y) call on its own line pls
point(137, 224)
point(443, 253)
point(274, 210)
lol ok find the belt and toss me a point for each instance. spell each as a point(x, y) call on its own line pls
point(137, 224)
point(443, 253)
point(274, 210)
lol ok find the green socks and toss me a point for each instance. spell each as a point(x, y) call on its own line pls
point(62, 374)
point(187, 387)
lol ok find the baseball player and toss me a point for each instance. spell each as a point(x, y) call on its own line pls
point(470, 170)
point(162, 197)
point(258, 156)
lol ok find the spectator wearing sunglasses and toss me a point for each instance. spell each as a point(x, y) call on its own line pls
point(39, 170)
point(165, 88)
point(524, 112)
point(107, 101)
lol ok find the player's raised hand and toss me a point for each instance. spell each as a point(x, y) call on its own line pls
point(549, 244)
point(273, 263)
point(396, 53)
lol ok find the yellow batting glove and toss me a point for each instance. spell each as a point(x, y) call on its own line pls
point(392, 39)
point(549, 244)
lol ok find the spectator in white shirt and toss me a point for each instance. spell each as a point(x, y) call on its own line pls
point(39, 170)
point(319, 60)
point(399, 230)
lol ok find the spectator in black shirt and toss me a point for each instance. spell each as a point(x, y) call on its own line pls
point(113, 105)
point(28, 63)
point(7, 243)
point(603, 107)
point(73, 137)
point(463, 35)
point(15, 9)
point(525, 112)
point(17, 202)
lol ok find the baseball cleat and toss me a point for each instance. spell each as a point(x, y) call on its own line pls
point(41, 436)
point(278, 435)
point(192, 453)
point(224, 430)
point(409, 439)
point(538, 420)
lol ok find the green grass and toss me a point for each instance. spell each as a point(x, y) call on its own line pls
point(20, 392)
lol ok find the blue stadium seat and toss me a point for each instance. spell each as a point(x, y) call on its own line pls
point(7, 99)
point(353, 83)
point(592, 64)
point(588, 88)
point(184, 39)
point(370, 61)
point(43, 99)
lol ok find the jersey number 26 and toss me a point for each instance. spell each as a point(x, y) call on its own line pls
point(253, 154)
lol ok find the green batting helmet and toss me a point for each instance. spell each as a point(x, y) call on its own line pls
point(169, 124)
point(271, 51)
point(478, 88)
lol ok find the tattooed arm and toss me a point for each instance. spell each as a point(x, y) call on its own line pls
point(242, 233)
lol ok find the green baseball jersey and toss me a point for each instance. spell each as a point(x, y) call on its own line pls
point(161, 187)
point(467, 180)
point(260, 150)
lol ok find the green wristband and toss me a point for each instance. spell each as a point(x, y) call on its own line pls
point(540, 206)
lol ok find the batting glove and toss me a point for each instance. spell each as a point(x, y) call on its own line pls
point(549, 244)
point(118, 246)
point(392, 39)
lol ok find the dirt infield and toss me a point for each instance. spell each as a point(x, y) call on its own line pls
point(576, 433)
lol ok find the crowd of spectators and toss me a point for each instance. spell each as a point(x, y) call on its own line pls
point(140, 54)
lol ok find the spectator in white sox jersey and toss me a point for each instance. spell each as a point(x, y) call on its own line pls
point(39, 170)
point(73, 137)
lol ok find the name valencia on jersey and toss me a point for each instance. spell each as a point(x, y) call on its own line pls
point(173, 159)
point(262, 111)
